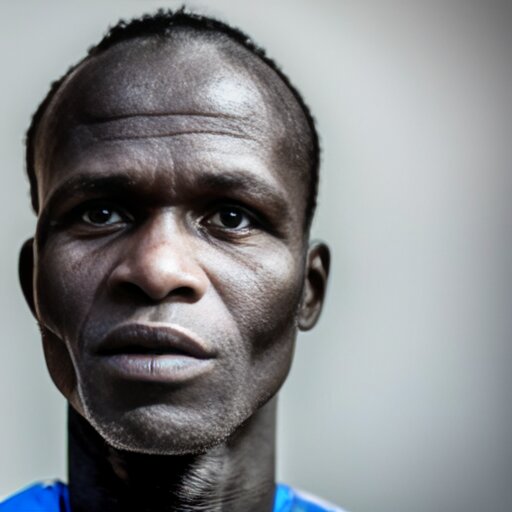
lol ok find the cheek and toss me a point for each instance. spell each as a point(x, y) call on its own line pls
point(262, 289)
point(66, 283)
point(268, 315)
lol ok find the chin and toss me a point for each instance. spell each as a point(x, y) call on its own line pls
point(164, 430)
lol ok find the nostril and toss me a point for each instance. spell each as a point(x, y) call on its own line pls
point(185, 292)
point(133, 292)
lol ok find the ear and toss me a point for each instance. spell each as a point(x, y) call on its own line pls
point(26, 273)
point(315, 285)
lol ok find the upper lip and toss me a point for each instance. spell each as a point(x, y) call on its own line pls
point(139, 338)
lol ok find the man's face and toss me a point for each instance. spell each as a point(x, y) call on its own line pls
point(170, 255)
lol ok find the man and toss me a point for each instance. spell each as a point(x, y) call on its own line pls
point(174, 173)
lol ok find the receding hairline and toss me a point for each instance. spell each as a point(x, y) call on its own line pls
point(279, 93)
point(276, 93)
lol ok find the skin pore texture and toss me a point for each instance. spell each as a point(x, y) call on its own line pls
point(171, 270)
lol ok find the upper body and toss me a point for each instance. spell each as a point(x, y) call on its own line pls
point(174, 174)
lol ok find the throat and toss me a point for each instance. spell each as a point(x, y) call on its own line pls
point(232, 476)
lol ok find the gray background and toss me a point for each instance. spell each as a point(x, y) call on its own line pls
point(399, 399)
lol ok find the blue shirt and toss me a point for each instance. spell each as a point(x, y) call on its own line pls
point(54, 497)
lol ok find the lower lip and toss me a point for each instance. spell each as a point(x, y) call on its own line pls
point(162, 368)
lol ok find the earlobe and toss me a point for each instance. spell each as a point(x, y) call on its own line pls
point(26, 273)
point(315, 285)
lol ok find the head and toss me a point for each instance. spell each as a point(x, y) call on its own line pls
point(174, 174)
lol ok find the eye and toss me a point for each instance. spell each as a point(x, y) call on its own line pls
point(230, 217)
point(102, 215)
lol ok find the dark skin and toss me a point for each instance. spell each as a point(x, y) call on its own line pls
point(170, 272)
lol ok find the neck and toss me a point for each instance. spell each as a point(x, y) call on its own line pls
point(235, 475)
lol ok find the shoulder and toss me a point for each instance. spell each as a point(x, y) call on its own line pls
point(40, 497)
point(288, 499)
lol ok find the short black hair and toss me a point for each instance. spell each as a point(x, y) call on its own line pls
point(161, 24)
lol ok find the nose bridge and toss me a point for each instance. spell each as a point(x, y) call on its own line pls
point(160, 233)
point(160, 260)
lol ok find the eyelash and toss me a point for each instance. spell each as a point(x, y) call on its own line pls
point(250, 219)
point(76, 215)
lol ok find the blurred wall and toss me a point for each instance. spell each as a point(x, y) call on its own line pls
point(398, 400)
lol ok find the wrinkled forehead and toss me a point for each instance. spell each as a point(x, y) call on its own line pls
point(175, 75)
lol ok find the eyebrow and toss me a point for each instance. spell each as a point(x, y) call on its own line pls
point(84, 183)
point(233, 182)
point(238, 181)
point(122, 184)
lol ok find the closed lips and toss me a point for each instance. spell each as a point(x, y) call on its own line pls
point(153, 340)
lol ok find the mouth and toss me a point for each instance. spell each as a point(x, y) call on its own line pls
point(154, 353)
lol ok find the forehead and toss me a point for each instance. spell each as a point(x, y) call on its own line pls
point(178, 74)
point(151, 89)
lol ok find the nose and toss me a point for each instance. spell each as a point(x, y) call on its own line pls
point(160, 262)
